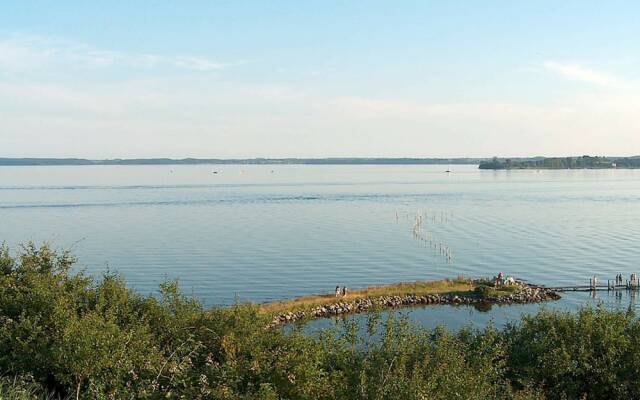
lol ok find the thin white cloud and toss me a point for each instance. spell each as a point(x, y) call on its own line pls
point(580, 73)
point(197, 63)
point(25, 53)
point(367, 108)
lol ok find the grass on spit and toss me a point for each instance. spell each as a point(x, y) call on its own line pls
point(458, 286)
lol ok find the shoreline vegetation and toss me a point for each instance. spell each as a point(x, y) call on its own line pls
point(67, 335)
point(583, 162)
point(459, 291)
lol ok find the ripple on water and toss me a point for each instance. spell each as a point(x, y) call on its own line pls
point(305, 229)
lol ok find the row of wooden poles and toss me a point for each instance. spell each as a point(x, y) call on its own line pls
point(633, 283)
point(419, 235)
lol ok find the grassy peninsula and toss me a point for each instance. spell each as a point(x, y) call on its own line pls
point(447, 287)
point(452, 287)
point(66, 335)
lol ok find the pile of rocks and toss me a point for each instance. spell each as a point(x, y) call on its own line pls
point(527, 294)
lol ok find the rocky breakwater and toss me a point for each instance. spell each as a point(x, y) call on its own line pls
point(527, 294)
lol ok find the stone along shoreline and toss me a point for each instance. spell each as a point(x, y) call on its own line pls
point(447, 292)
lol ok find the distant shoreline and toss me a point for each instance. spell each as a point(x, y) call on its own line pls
point(483, 163)
point(241, 161)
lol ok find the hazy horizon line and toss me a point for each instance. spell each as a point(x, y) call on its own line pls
point(52, 161)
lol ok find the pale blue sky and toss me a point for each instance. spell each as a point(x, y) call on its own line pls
point(319, 78)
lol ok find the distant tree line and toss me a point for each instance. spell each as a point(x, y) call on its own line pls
point(66, 335)
point(591, 162)
point(258, 161)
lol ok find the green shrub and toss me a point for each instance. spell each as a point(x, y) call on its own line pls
point(593, 354)
point(22, 388)
point(482, 291)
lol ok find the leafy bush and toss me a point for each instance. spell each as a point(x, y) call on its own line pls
point(593, 354)
point(22, 388)
point(482, 291)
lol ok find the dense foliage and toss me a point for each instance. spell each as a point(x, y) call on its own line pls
point(562, 163)
point(71, 336)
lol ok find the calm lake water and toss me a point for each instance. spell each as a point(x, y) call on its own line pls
point(271, 232)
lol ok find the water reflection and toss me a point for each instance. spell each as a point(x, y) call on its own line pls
point(481, 315)
point(484, 306)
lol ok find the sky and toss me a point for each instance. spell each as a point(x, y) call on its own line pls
point(227, 79)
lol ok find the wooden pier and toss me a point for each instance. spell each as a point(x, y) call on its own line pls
point(632, 284)
point(588, 288)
